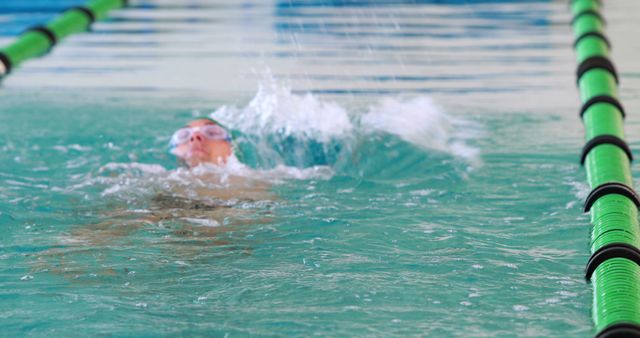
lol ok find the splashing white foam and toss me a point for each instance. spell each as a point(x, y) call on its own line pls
point(133, 167)
point(275, 109)
point(132, 180)
point(421, 122)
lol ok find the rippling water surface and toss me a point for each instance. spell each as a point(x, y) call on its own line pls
point(411, 170)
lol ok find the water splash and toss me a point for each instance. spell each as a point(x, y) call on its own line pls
point(284, 136)
point(137, 181)
point(280, 127)
point(275, 110)
point(421, 122)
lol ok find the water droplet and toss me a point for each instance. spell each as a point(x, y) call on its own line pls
point(520, 308)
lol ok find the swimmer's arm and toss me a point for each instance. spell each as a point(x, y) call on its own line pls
point(240, 188)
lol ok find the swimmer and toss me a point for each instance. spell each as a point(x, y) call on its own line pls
point(200, 205)
point(205, 141)
point(202, 141)
point(208, 195)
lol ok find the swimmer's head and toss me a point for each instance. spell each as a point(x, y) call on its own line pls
point(202, 141)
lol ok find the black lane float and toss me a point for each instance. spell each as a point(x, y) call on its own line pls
point(614, 266)
point(39, 40)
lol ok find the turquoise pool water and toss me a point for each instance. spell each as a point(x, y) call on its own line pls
point(421, 160)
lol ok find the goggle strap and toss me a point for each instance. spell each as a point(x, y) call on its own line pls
point(214, 121)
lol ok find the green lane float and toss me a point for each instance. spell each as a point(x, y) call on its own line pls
point(614, 266)
point(38, 40)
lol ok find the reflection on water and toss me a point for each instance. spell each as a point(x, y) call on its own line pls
point(441, 48)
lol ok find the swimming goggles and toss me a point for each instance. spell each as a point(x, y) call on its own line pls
point(211, 132)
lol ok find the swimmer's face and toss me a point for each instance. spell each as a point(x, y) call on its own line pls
point(202, 141)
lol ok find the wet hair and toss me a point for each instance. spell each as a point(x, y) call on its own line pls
point(214, 122)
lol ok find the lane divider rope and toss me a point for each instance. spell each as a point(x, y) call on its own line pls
point(71, 20)
point(614, 266)
point(611, 188)
point(615, 250)
point(591, 12)
point(596, 62)
point(86, 11)
point(621, 330)
point(602, 99)
point(605, 139)
point(49, 34)
point(594, 35)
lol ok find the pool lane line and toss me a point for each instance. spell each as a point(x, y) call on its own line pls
point(39, 40)
point(614, 266)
